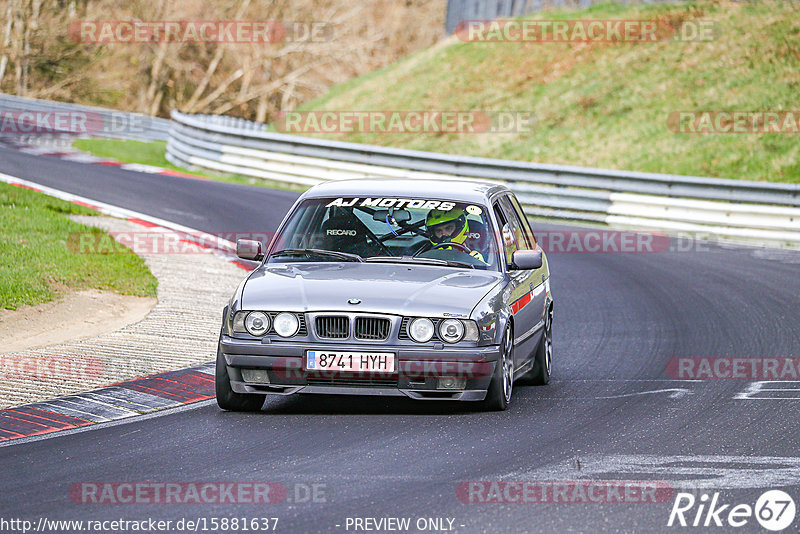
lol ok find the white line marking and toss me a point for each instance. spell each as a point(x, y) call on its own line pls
point(683, 471)
point(676, 393)
point(757, 388)
point(628, 380)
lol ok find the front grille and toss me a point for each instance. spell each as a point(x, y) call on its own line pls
point(372, 328)
point(303, 331)
point(333, 327)
point(404, 329)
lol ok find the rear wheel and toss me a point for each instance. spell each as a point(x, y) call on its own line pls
point(543, 361)
point(227, 399)
point(500, 389)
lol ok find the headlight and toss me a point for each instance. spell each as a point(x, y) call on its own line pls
point(286, 324)
point(257, 323)
point(451, 330)
point(421, 330)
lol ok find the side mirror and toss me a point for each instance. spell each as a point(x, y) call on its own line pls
point(526, 260)
point(247, 249)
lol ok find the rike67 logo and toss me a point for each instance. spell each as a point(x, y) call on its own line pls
point(774, 510)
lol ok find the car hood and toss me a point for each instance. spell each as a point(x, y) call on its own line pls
point(400, 289)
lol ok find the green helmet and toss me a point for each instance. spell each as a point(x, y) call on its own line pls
point(438, 219)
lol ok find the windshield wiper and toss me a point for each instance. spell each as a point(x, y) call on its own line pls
point(320, 252)
point(427, 261)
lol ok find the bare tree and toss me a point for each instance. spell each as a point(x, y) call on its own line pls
point(326, 42)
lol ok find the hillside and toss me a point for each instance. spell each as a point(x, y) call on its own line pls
point(608, 104)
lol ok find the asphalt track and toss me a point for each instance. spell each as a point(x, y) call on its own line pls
point(611, 411)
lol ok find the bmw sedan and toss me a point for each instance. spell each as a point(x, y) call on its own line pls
point(427, 290)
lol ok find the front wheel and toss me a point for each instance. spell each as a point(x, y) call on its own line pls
point(499, 395)
point(227, 399)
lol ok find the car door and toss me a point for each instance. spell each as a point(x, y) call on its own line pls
point(529, 306)
point(540, 275)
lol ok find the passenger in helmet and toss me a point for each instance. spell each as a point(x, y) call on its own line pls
point(449, 227)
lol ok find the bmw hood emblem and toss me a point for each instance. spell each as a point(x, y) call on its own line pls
point(354, 301)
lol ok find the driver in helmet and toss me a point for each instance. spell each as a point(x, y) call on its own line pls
point(449, 227)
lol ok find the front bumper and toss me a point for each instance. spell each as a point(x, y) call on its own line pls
point(417, 373)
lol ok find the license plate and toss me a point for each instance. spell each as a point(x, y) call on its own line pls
point(375, 362)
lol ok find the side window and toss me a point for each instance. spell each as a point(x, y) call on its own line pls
point(508, 239)
point(514, 222)
point(527, 234)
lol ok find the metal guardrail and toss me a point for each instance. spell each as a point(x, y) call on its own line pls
point(727, 208)
point(88, 120)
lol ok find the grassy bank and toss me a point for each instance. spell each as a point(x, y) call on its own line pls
point(152, 153)
point(36, 262)
point(596, 104)
point(146, 153)
point(606, 104)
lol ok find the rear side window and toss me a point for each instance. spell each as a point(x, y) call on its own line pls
point(508, 237)
point(527, 232)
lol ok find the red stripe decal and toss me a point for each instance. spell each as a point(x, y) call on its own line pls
point(521, 303)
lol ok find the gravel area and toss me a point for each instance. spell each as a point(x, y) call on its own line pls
point(180, 331)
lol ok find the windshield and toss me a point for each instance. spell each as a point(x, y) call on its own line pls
point(402, 230)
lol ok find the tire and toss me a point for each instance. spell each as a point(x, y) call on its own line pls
point(501, 388)
point(543, 360)
point(227, 399)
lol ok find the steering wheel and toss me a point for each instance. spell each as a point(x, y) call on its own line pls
point(459, 246)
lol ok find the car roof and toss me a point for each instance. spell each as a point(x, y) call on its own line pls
point(456, 190)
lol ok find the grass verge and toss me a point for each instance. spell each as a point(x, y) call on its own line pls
point(152, 153)
point(36, 263)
